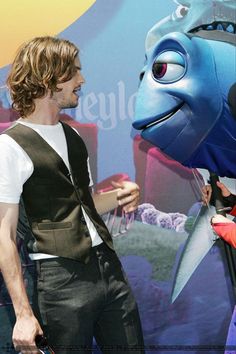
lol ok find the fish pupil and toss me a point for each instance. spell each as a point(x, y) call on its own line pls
point(159, 70)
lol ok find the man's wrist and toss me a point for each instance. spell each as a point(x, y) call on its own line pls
point(22, 311)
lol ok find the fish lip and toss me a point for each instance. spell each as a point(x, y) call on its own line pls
point(162, 119)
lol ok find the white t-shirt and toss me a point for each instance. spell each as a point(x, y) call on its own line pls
point(16, 167)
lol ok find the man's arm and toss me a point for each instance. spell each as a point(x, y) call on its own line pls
point(126, 194)
point(26, 326)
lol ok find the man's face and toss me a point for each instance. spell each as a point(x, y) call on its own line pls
point(68, 97)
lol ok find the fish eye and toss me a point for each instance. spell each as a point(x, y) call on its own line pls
point(159, 70)
point(168, 67)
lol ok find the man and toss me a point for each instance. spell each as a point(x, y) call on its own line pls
point(81, 289)
point(223, 227)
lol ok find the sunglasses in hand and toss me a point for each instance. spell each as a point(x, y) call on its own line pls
point(42, 345)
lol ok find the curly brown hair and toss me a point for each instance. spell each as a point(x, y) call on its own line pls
point(40, 65)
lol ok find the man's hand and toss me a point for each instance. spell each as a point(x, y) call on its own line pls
point(25, 330)
point(207, 192)
point(127, 195)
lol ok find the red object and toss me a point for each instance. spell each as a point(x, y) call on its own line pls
point(4, 126)
point(233, 211)
point(164, 182)
point(227, 231)
point(8, 114)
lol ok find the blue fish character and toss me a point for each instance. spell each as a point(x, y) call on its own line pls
point(187, 97)
point(186, 105)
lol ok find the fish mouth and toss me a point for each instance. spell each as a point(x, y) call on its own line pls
point(224, 26)
point(162, 119)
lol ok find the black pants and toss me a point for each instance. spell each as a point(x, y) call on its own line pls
point(80, 301)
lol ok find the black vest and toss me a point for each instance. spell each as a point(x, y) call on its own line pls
point(52, 202)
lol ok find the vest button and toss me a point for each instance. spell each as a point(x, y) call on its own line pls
point(87, 234)
point(82, 219)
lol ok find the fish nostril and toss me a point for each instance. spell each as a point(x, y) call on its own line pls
point(141, 75)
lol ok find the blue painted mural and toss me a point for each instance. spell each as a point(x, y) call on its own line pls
point(111, 36)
